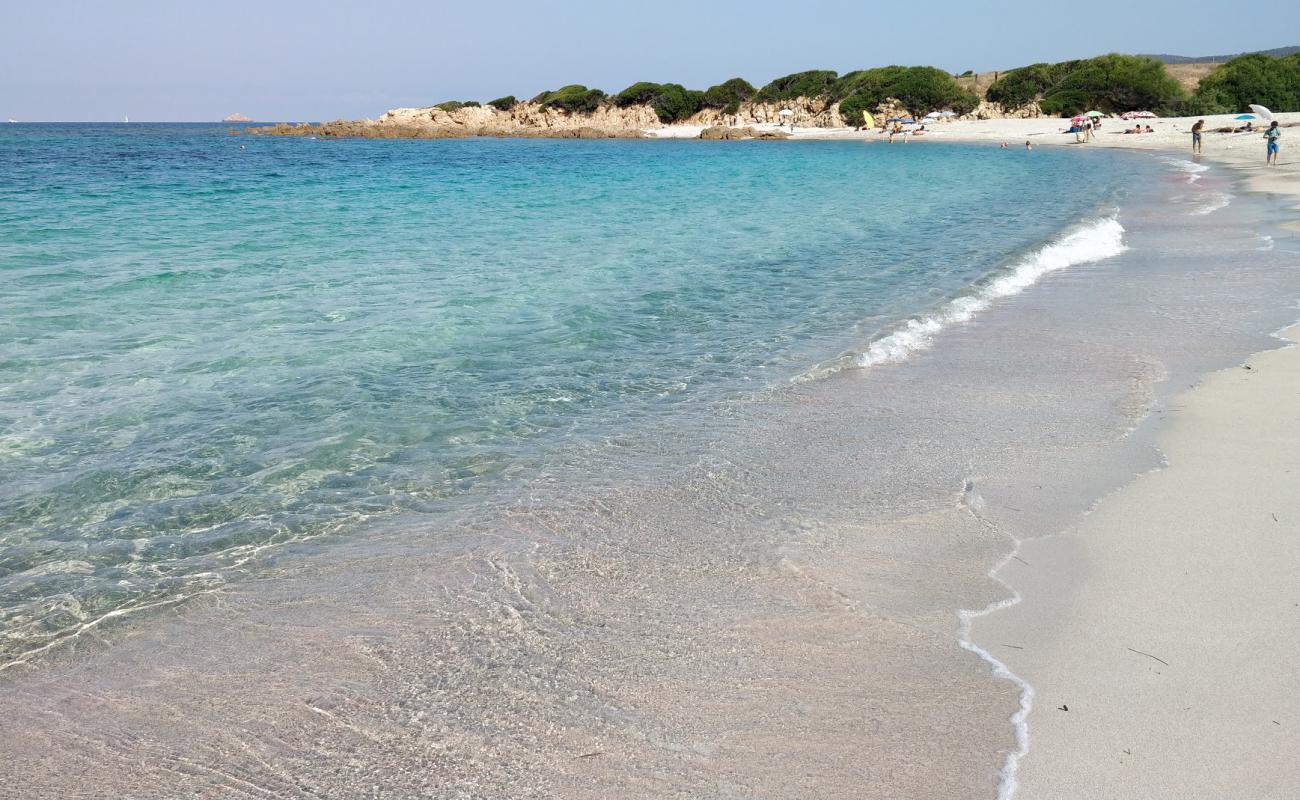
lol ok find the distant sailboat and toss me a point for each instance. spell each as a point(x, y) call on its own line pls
point(14, 121)
point(125, 118)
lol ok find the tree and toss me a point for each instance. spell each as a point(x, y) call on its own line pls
point(574, 99)
point(728, 95)
point(813, 83)
point(1257, 78)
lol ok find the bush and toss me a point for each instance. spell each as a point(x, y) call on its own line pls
point(728, 95)
point(1020, 87)
point(813, 83)
point(1114, 83)
point(1232, 87)
point(450, 105)
point(504, 103)
point(919, 89)
point(851, 108)
point(675, 102)
point(574, 98)
point(638, 93)
point(671, 102)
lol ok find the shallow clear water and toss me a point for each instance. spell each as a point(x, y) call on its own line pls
point(729, 563)
point(205, 350)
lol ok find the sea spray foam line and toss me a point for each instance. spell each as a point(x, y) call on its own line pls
point(1090, 241)
point(1007, 784)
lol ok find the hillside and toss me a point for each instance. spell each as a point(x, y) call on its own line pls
point(1165, 58)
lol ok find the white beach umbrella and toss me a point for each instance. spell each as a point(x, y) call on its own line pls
point(933, 115)
point(785, 112)
point(1262, 112)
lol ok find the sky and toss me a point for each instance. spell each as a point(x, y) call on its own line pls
point(68, 60)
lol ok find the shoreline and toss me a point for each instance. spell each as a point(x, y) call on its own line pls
point(1158, 632)
point(1077, 594)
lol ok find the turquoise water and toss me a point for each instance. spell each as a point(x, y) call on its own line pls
point(206, 350)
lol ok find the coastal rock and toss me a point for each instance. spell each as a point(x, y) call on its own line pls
point(808, 113)
point(723, 132)
point(236, 117)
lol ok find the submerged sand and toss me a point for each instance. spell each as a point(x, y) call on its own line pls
point(830, 667)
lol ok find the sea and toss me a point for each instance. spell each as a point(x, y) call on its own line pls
point(688, 455)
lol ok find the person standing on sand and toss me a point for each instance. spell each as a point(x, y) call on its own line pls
point(1272, 135)
point(1196, 135)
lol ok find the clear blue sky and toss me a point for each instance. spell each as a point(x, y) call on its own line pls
point(301, 60)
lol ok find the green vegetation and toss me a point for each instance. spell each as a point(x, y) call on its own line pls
point(1020, 87)
point(1111, 83)
point(504, 103)
point(574, 98)
point(920, 90)
point(813, 83)
point(1262, 79)
point(671, 102)
point(456, 105)
point(728, 95)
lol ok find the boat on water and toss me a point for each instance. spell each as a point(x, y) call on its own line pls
point(14, 121)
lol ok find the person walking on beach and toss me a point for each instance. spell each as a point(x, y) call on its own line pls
point(1272, 135)
point(1196, 135)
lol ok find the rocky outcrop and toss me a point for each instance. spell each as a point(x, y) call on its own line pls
point(524, 119)
point(724, 132)
point(236, 117)
point(990, 110)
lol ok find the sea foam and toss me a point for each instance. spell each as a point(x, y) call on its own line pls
point(1091, 241)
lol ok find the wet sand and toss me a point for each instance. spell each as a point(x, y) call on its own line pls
point(1161, 634)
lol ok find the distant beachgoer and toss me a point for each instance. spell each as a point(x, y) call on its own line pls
point(1196, 135)
point(1004, 145)
point(1029, 145)
point(1271, 136)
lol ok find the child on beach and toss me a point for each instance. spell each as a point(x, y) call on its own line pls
point(1272, 135)
point(1196, 135)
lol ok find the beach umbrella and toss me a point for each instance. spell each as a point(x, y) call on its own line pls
point(868, 121)
point(785, 112)
point(1262, 111)
point(1094, 114)
point(1244, 116)
point(932, 115)
point(947, 113)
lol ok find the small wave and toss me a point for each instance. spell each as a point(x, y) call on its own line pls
point(1191, 169)
point(1212, 203)
point(1091, 241)
point(1267, 242)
